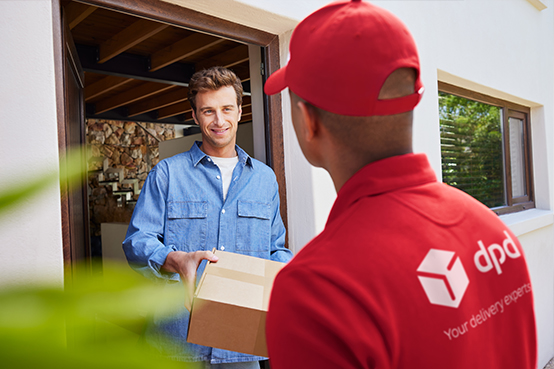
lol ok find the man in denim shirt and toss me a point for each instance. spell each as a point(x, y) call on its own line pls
point(213, 195)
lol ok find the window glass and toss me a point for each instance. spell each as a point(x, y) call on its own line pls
point(486, 148)
point(471, 147)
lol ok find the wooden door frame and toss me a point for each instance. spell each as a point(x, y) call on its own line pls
point(182, 17)
point(75, 236)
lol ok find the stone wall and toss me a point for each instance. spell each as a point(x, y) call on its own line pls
point(126, 149)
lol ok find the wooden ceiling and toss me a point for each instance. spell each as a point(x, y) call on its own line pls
point(138, 69)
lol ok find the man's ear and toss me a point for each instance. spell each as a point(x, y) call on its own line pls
point(240, 113)
point(194, 117)
point(311, 120)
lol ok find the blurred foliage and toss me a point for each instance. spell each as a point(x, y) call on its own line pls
point(471, 148)
point(95, 322)
point(70, 171)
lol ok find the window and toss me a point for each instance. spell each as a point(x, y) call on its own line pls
point(485, 148)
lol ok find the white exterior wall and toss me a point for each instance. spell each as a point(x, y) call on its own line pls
point(505, 50)
point(501, 48)
point(30, 235)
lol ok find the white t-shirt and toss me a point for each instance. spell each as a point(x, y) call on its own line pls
point(226, 167)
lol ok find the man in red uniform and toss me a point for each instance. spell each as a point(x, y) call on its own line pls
point(409, 272)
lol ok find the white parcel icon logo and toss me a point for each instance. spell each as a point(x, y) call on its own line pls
point(443, 278)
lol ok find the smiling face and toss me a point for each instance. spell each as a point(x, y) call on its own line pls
point(218, 115)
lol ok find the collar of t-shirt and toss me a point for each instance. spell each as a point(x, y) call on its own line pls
point(226, 167)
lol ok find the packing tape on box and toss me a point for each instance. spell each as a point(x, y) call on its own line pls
point(244, 277)
point(236, 275)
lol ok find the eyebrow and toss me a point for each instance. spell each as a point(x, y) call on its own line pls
point(224, 106)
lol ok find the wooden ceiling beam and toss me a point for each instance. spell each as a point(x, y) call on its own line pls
point(134, 66)
point(131, 96)
point(226, 59)
point(76, 12)
point(242, 71)
point(159, 102)
point(247, 110)
point(129, 37)
point(173, 110)
point(182, 49)
point(103, 86)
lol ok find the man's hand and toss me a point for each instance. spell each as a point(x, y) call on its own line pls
point(186, 264)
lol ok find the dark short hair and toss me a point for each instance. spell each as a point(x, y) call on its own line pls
point(212, 79)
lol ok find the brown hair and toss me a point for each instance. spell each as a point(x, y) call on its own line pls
point(213, 79)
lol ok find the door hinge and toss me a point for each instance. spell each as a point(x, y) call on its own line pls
point(262, 69)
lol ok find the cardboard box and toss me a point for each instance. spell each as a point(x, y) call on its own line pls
point(230, 303)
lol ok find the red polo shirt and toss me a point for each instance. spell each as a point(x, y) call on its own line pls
point(408, 273)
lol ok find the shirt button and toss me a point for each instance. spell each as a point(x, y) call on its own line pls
point(217, 177)
point(222, 248)
point(223, 211)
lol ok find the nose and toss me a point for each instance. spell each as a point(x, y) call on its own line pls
point(218, 118)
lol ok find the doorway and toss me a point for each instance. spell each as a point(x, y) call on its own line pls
point(137, 58)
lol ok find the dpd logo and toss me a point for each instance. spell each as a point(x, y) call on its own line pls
point(495, 254)
point(443, 278)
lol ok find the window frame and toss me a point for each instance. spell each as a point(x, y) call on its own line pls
point(509, 110)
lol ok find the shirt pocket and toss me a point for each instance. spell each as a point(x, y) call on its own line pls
point(254, 228)
point(187, 225)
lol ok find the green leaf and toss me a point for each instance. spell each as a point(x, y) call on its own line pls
point(70, 170)
point(95, 323)
point(97, 320)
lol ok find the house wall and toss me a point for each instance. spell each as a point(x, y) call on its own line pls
point(507, 52)
point(500, 49)
point(30, 235)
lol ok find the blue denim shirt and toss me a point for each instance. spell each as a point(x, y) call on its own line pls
point(181, 208)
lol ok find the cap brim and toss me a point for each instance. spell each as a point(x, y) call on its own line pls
point(276, 82)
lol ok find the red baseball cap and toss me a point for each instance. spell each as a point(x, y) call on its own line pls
point(341, 55)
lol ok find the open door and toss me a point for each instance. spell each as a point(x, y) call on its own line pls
point(72, 137)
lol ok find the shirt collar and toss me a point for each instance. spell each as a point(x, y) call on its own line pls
point(197, 154)
point(383, 176)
